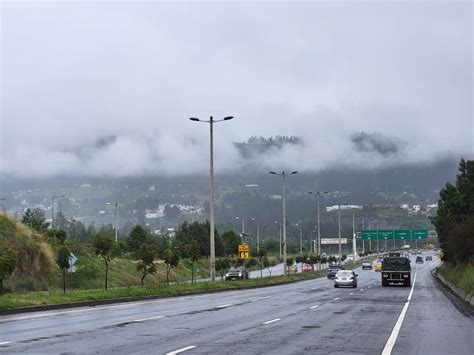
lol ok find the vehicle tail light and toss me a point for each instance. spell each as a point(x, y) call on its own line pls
point(384, 275)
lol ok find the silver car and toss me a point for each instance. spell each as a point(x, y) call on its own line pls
point(345, 278)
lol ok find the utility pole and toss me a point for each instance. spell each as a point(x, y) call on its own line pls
point(354, 241)
point(339, 217)
point(116, 222)
point(301, 237)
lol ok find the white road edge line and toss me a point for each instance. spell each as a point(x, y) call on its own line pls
point(387, 350)
point(350, 294)
point(337, 298)
point(224, 305)
point(272, 321)
point(314, 307)
point(5, 342)
point(181, 350)
point(263, 298)
point(145, 319)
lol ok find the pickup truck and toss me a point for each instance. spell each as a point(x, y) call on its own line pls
point(396, 269)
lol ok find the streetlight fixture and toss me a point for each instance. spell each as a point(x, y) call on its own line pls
point(283, 174)
point(318, 197)
point(52, 208)
point(211, 122)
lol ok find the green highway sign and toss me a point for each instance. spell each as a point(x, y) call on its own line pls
point(394, 234)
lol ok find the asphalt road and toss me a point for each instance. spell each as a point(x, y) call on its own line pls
point(306, 317)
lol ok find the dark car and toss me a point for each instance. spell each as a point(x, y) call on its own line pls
point(237, 273)
point(419, 260)
point(429, 258)
point(366, 265)
point(332, 270)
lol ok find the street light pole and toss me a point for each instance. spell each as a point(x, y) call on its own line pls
point(52, 208)
point(211, 122)
point(301, 237)
point(318, 198)
point(283, 174)
point(116, 222)
point(339, 209)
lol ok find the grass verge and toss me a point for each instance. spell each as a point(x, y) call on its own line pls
point(36, 300)
point(461, 276)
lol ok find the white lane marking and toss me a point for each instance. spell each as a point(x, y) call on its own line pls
point(337, 298)
point(361, 289)
point(387, 350)
point(350, 294)
point(224, 305)
point(5, 343)
point(263, 298)
point(145, 319)
point(272, 321)
point(181, 350)
point(314, 307)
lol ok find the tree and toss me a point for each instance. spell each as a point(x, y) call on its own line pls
point(137, 236)
point(231, 242)
point(455, 207)
point(194, 253)
point(171, 259)
point(313, 259)
point(147, 255)
point(62, 260)
point(460, 241)
point(268, 265)
point(222, 265)
point(261, 254)
point(250, 263)
point(103, 247)
point(8, 261)
point(35, 219)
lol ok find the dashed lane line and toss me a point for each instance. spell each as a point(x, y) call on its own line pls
point(224, 305)
point(337, 298)
point(145, 319)
point(181, 350)
point(272, 321)
point(316, 306)
point(5, 343)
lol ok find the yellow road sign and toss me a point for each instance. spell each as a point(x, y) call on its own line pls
point(244, 251)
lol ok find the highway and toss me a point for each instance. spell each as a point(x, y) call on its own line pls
point(306, 317)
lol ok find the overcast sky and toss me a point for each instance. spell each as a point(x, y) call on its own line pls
point(106, 88)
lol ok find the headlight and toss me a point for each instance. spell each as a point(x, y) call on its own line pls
point(240, 274)
point(227, 274)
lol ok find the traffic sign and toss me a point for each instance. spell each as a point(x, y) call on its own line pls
point(244, 251)
point(394, 234)
point(333, 241)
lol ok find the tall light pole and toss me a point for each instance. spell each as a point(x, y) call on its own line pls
point(318, 197)
point(115, 220)
point(280, 235)
point(211, 122)
point(52, 208)
point(339, 231)
point(283, 174)
point(301, 237)
point(258, 232)
point(242, 232)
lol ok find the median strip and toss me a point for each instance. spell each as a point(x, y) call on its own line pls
point(272, 321)
point(181, 350)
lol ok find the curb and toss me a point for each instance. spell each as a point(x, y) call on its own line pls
point(466, 299)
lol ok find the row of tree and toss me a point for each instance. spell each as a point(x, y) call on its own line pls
point(454, 221)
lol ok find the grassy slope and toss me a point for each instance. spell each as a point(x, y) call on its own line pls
point(11, 301)
point(461, 276)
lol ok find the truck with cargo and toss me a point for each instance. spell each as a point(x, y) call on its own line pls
point(396, 268)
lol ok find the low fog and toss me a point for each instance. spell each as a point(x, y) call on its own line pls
point(107, 89)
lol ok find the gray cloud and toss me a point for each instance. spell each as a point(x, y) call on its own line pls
point(105, 88)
